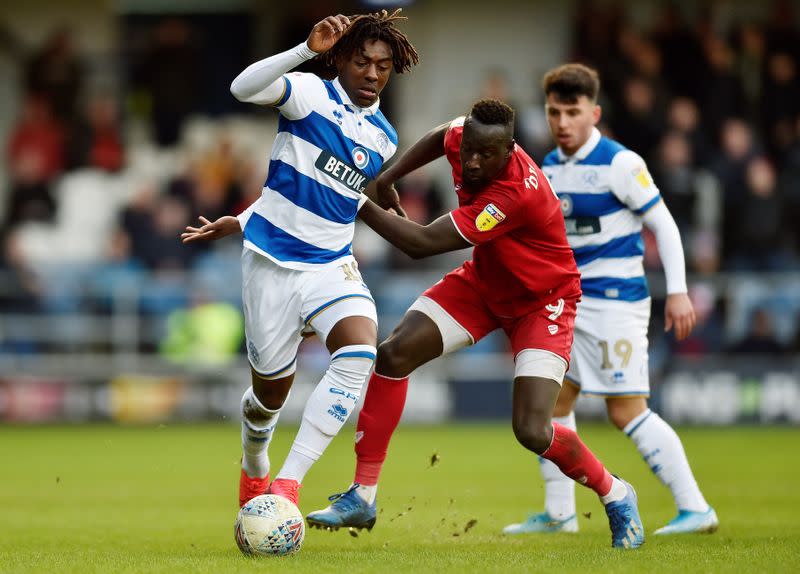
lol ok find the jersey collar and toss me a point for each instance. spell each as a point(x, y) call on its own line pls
point(347, 102)
point(583, 151)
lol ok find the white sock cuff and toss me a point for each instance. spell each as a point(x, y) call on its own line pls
point(567, 421)
point(250, 401)
point(632, 426)
point(355, 352)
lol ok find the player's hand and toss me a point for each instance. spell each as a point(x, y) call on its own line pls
point(384, 194)
point(679, 312)
point(211, 230)
point(327, 32)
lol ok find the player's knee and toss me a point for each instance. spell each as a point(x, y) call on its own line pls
point(623, 411)
point(392, 359)
point(617, 418)
point(351, 365)
point(533, 434)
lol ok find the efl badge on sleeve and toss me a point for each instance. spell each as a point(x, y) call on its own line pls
point(642, 177)
point(489, 217)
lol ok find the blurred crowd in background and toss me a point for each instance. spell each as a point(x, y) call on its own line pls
point(94, 204)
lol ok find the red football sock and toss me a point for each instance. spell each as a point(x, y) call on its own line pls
point(379, 416)
point(575, 460)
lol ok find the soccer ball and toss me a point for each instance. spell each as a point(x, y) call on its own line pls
point(269, 525)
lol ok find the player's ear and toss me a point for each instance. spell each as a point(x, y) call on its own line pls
point(510, 149)
point(597, 113)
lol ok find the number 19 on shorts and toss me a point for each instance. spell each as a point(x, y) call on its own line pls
point(623, 349)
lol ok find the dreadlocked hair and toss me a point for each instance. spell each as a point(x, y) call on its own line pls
point(489, 111)
point(377, 26)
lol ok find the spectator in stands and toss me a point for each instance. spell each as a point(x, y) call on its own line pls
point(56, 73)
point(674, 175)
point(171, 74)
point(150, 222)
point(213, 181)
point(750, 67)
point(683, 116)
point(35, 158)
point(780, 101)
point(95, 139)
point(759, 242)
point(736, 149)
point(722, 95)
point(682, 53)
point(761, 338)
point(639, 123)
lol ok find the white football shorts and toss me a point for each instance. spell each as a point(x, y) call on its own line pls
point(280, 304)
point(609, 353)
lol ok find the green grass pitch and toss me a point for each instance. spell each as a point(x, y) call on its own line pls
point(163, 499)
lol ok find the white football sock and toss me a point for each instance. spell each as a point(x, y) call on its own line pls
point(662, 450)
point(618, 491)
point(367, 493)
point(328, 408)
point(258, 424)
point(559, 489)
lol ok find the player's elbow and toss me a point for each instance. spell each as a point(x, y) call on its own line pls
point(417, 253)
point(236, 91)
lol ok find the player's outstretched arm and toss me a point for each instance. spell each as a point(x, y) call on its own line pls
point(262, 82)
point(211, 230)
point(411, 238)
point(427, 149)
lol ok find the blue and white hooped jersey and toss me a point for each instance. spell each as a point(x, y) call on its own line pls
point(604, 190)
point(326, 151)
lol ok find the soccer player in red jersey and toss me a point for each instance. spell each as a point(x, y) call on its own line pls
point(522, 278)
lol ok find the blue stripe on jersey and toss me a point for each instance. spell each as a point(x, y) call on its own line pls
point(287, 91)
point(332, 93)
point(594, 204)
point(551, 159)
point(647, 205)
point(379, 121)
point(603, 152)
point(615, 288)
point(285, 247)
point(325, 134)
point(310, 194)
point(625, 246)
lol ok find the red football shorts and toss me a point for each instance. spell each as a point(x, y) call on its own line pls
point(548, 328)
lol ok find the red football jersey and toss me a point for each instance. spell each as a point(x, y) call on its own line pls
point(521, 255)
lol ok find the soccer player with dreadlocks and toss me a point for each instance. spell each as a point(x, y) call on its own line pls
point(299, 274)
point(522, 278)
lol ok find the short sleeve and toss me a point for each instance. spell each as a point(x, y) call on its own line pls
point(494, 213)
point(301, 94)
point(452, 140)
point(632, 183)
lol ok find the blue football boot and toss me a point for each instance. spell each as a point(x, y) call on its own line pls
point(688, 522)
point(347, 509)
point(543, 522)
point(623, 518)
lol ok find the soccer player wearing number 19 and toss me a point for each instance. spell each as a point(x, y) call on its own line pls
point(606, 195)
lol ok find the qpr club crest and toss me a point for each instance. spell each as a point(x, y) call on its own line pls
point(566, 205)
point(360, 157)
